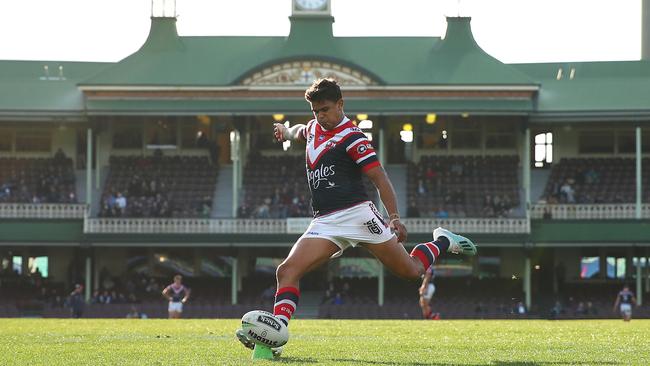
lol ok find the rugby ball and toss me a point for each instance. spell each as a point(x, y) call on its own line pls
point(264, 328)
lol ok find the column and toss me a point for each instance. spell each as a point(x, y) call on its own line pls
point(97, 165)
point(233, 282)
point(236, 166)
point(89, 272)
point(525, 157)
point(639, 282)
point(638, 173)
point(380, 284)
point(527, 281)
point(89, 164)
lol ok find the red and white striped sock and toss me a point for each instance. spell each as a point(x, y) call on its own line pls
point(286, 302)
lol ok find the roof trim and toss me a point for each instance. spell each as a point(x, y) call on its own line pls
point(529, 88)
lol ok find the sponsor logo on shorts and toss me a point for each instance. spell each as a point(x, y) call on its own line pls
point(268, 321)
point(313, 233)
point(373, 227)
point(260, 338)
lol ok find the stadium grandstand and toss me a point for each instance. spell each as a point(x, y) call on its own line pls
point(119, 175)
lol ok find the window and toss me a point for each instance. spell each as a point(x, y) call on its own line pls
point(190, 132)
point(127, 136)
point(589, 267)
point(543, 149)
point(161, 133)
point(590, 142)
point(33, 141)
point(466, 135)
point(6, 139)
point(500, 136)
point(38, 264)
point(626, 141)
point(17, 264)
point(489, 267)
point(616, 267)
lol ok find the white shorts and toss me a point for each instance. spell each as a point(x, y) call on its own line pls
point(361, 223)
point(428, 293)
point(175, 306)
point(626, 309)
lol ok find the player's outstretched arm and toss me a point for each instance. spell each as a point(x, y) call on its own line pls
point(387, 194)
point(293, 133)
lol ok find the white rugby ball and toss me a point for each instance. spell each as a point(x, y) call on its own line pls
point(265, 328)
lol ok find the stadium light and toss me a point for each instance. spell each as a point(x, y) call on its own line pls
point(431, 118)
point(464, 115)
point(361, 117)
point(407, 132)
point(365, 124)
point(278, 117)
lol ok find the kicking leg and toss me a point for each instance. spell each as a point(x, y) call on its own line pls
point(307, 254)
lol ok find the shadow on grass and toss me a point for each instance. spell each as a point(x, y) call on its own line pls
point(302, 360)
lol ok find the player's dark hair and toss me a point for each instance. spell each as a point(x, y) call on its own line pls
point(322, 90)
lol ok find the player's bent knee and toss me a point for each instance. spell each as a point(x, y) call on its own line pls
point(287, 272)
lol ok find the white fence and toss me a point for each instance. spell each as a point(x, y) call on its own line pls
point(589, 212)
point(184, 226)
point(285, 226)
point(42, 211)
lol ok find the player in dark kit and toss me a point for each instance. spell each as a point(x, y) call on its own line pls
point(337, 154)
point(625, 299)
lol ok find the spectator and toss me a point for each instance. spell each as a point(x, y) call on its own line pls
point(134, 313)
point(412, 210)
point(120, 202)
point(567, 191)
point(77, 302)
point(442, 213)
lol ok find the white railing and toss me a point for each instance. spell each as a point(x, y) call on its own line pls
point(285, 226)
point(42, 211)
point(589, 211)
point(470, 225)
point(184, 226)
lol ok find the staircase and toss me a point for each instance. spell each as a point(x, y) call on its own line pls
point(397, 174)
point(308, 306)
point(222, 197)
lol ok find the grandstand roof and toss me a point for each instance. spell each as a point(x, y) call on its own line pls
point(440, 67)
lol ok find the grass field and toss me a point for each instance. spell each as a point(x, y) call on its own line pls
point(326, 342)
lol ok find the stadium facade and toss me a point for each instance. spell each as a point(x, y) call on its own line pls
point(428, 98)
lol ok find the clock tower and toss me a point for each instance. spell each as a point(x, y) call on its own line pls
point(311, 7)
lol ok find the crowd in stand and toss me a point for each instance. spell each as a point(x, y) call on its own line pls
point(39, 182)
point(568, 191)
point(148, 197)
point(284, 202)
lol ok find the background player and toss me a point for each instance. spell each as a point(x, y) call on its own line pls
point(337, 154)
point(625, 299)
point(177, 294)
point(426, 291)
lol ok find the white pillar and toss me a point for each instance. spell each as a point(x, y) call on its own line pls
point(380, 284)
point(233, 282)
point(89, 164)
point(97, 164)
point(527, 281)
point(89, 272)
point(236, 166)
point(526, 171)
point(639, 282)
point(638, 173)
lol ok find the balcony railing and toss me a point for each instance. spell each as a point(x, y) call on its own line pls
point(184, 226)
point(605, 211)
point(285, 226)
point(42, 211)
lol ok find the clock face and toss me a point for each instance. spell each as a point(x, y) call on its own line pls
point(311, 4)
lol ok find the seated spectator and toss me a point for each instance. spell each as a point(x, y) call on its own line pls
point(412, 210)
point(442, 213)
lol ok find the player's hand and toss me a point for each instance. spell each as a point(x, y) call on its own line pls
point(421, 290)
point(279, 131)
point(399, 229)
